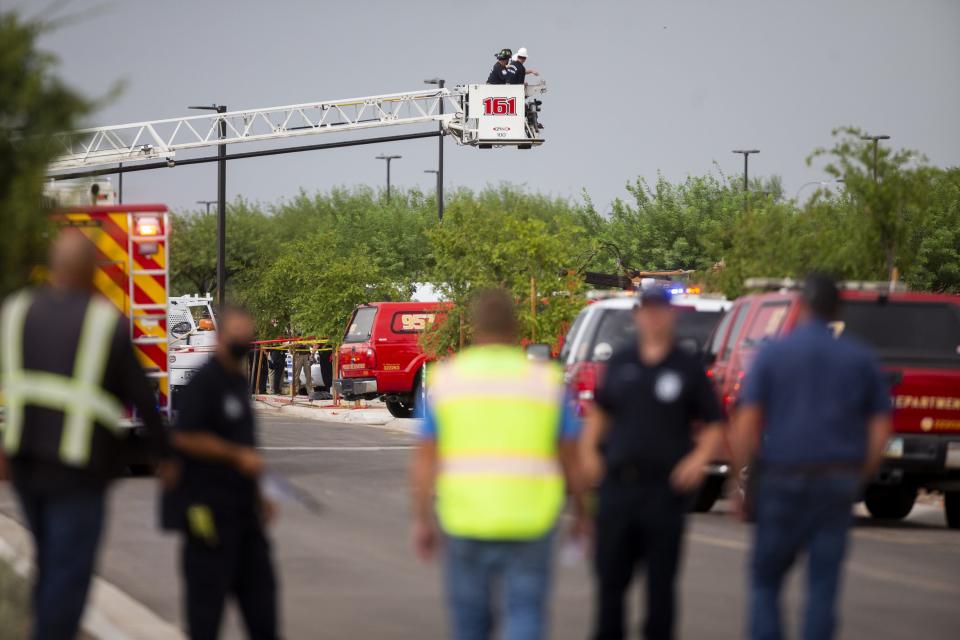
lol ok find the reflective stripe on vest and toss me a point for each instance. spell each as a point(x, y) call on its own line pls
point(80, 397)
point(498, 417)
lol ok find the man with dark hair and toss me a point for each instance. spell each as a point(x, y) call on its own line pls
point(639, 444)
point(498, 441)
point(217, 502)
point(824, 412)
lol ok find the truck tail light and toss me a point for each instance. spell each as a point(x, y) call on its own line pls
point(370, 359)
point(583, 384)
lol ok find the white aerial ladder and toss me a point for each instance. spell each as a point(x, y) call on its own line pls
point(477, 115)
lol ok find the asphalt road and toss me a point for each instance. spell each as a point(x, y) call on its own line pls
point(348, 573)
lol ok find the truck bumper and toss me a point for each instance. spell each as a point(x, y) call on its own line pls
point(356, 388)
point(928, 461)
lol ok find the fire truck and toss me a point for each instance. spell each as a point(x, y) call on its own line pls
point(132, 273)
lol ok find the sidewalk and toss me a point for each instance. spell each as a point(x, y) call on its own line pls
point(110, 614)
point(369, 413)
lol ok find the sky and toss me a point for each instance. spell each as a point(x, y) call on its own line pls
point(635, 88)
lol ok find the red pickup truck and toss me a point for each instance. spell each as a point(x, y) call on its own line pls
point(916, 337)
point(381, 355)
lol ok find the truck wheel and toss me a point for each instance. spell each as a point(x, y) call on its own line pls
point(708, 495)
point(951, 506)
point(890, 503)
point(399, 409)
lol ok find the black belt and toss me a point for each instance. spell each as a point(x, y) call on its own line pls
point(636, 474)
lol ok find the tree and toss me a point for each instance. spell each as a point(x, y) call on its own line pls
point(34, 104)
point(890, 188)
point(505, 238)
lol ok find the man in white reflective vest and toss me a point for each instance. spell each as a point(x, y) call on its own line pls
point(67, 367)
point(498, 440)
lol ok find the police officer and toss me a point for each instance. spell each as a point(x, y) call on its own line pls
point(217, 502)
point(824, 409)
point(68, 367)
point(497, 443)
point(639, 442)
point(501, 73)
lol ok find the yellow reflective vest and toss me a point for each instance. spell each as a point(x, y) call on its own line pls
point(81, 397)
point(498, 417)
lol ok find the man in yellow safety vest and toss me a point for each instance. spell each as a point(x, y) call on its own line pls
point(67, 368)
point(498, 440)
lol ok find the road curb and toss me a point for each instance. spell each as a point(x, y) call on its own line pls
point(111, 614)
point(372, 417)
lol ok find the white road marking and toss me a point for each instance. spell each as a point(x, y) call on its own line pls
point(874, 573)
point(399, 447)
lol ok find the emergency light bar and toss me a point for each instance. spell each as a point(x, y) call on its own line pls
point(773, 284)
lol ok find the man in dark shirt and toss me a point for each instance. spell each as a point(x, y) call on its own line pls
point(217, 501)
point(69, 349)
point(518, 68)
point(639, 443)
point(825, 415)
point(501, 74)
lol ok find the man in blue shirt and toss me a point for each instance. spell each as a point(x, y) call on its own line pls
point(813, 422)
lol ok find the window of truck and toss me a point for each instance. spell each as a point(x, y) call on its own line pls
point(735, 331)
point(766, 323)
point(412, 321)
point(716, 344)
point(922, 331)
point(361, 325)
point(616, 328)
point(571, 336)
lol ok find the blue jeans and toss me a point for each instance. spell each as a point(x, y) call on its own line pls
point(519, 571)
point(800, 512)
point(66, 531)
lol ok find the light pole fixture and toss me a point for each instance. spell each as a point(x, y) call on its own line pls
point(207, 203)
point(389, 159)
point(441, 83)
point(876, 143)
point(221, 202)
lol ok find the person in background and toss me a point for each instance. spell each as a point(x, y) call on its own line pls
point(68, 367)
point(639, 444)
point(518, 68)
point(497, 443)
point(824, 411)
point(500, 74)
point(216, 502)
point(302, 356)
point(278, 366)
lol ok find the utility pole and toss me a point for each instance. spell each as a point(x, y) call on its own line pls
point(889, 250)
point(207, 203)
point(389, 159)
point(746, 174)
point(441, 83)
point(876, 143)
point(221, 203)
point(439, 191)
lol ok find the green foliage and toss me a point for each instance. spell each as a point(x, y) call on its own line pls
point(34, 104)
point(505, 238)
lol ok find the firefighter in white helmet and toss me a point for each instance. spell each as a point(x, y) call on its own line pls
point(519, 71)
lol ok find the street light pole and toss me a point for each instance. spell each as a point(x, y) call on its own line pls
point(876, 143)
point(746, 173)
point(441, 83)
point(221, 203)
point(389, 159)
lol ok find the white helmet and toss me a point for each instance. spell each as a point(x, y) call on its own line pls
point(522, 52)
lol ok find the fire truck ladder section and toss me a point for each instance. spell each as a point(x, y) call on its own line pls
point(481, 116)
